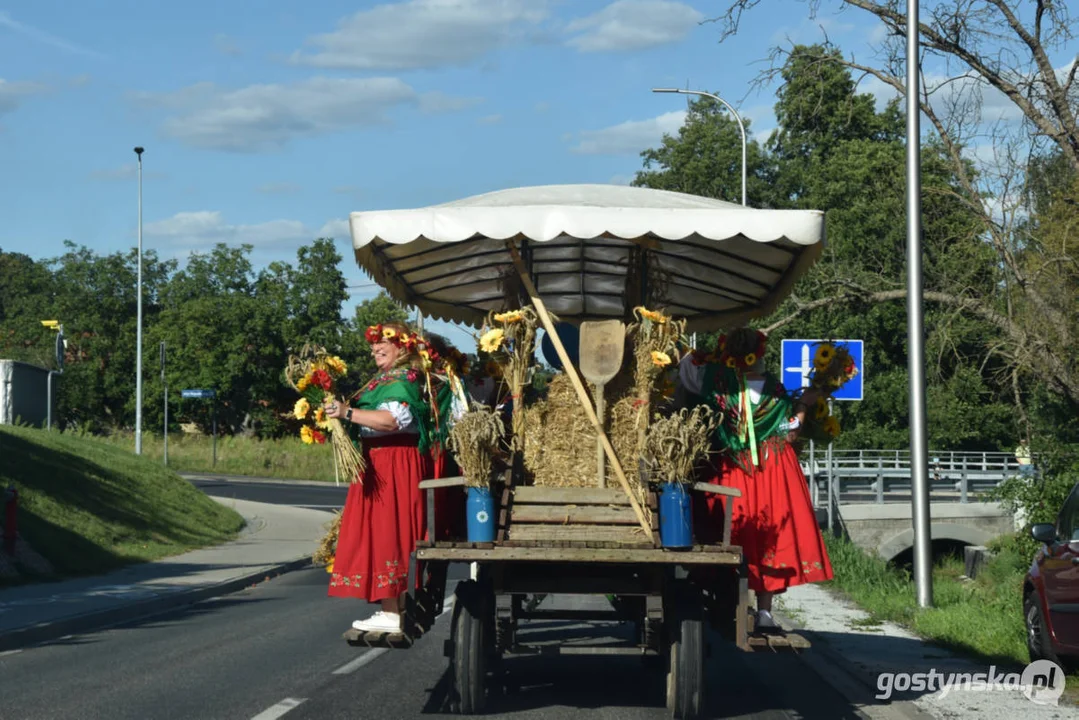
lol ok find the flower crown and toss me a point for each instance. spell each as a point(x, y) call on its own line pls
point(416, 343)
point(735, 362)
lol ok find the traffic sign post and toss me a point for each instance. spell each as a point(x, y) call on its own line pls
point(205, 394)
point(796, 359)
point(165, 384)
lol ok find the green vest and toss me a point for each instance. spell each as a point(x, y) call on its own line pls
point(746, 428)
point(405, 386)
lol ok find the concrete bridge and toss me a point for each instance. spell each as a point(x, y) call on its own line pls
point(870, 493)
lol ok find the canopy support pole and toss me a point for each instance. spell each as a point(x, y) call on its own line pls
point(582, 394)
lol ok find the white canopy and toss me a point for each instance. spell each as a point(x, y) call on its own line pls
point(594, 252)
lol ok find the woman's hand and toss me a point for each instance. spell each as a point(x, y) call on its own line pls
point(334, 409)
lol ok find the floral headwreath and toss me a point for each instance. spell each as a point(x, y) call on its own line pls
point(453, 362)
point(735, 362)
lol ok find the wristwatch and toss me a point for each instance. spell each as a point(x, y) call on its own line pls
point(348, 415)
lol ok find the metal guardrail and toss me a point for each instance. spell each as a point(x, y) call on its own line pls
point(879, 476)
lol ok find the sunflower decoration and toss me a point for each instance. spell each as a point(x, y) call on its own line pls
point(314, 374)
point(509, 339)
point(833, 367)
point(657, 338)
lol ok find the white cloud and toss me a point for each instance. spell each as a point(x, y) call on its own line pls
point(633, 25)
point(266, 117)
point(205, 228)
point(630, 137)
point(336, 229)
point(490, 119)
point(279, 188)
point(422, 34)
point(13, 93)
point(6, 21)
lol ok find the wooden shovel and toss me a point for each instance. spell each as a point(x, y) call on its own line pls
point(601, 347)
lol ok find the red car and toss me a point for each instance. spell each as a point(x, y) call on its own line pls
point(1051, 590)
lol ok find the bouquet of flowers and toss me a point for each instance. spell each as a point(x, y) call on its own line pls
point(833, 368)
point(314, 374)
point(510, 340)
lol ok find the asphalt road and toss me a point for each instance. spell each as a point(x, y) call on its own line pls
point(275, 650)
point(321, 497)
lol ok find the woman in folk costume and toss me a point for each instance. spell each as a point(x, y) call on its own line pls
point(773, 520)
point(385, 511)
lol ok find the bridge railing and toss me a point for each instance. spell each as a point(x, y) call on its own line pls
point(878, 476)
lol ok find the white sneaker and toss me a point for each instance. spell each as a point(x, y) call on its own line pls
point(765, 620)
point(380, 622)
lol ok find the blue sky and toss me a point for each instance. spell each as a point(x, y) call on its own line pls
point(269, 126)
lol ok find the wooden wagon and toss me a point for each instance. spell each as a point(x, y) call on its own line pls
point(585, 253)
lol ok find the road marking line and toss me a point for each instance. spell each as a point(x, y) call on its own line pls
point(318, 506)
point(10, 652)
point(375, 653)
point(357, 663)
point(275, 711)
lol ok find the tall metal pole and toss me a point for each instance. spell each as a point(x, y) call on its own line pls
point(919, 458)
point(165, 384)
point(138, 329)
point(741, 125)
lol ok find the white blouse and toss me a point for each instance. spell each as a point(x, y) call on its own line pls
point(405, 422)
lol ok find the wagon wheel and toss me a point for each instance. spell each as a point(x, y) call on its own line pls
point(685, 654)
point(471, 649)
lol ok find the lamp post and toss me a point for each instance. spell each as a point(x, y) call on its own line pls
point(919, 454)
point(60, 344)
point(741, 126)
point(138, 329)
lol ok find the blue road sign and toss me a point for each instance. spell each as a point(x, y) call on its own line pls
point(197, 393)
point(796, 357)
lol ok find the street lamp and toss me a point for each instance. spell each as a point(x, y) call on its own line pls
point(60, 345)
point(138, 330)
point(741, 126)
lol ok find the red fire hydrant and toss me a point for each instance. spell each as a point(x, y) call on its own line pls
point(11, 530)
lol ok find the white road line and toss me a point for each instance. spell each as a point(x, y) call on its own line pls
point(10, 652)
point(375, 653)
point(357, 663)
point(275, 711)
point(318, 506)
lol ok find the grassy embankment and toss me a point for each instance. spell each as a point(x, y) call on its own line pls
point(981, 618)
point(88, 508)
point(284, 458)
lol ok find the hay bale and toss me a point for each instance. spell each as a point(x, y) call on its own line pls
point(560, 443)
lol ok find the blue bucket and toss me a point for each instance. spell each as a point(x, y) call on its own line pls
point(481, 515)
point(675, 516)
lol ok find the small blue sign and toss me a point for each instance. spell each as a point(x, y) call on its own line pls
point(197, 393)
point(796, 357)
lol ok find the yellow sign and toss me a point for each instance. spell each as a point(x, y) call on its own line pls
point(54, 324)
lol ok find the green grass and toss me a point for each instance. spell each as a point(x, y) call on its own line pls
point(236, 455)
point(981, 618)
point(89, 508)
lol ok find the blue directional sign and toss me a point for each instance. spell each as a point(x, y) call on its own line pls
point(197, 393)
point(797, 359)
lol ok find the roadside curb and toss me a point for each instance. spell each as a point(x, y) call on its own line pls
point(20, 638)
point(259, 480)
point(851, 681)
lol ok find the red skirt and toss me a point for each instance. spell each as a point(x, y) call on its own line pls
point(774, 521)
point(384, 517)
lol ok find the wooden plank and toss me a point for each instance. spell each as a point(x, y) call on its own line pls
point(567, 514)
point(719, 489)
point(560, 533)
point(532, 551)
point(441, 482)
point(569, 496)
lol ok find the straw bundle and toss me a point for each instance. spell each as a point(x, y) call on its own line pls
point(476, 440)
point(675, 444)
point(327, 548)
point(511, 340)
point(560, 444)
